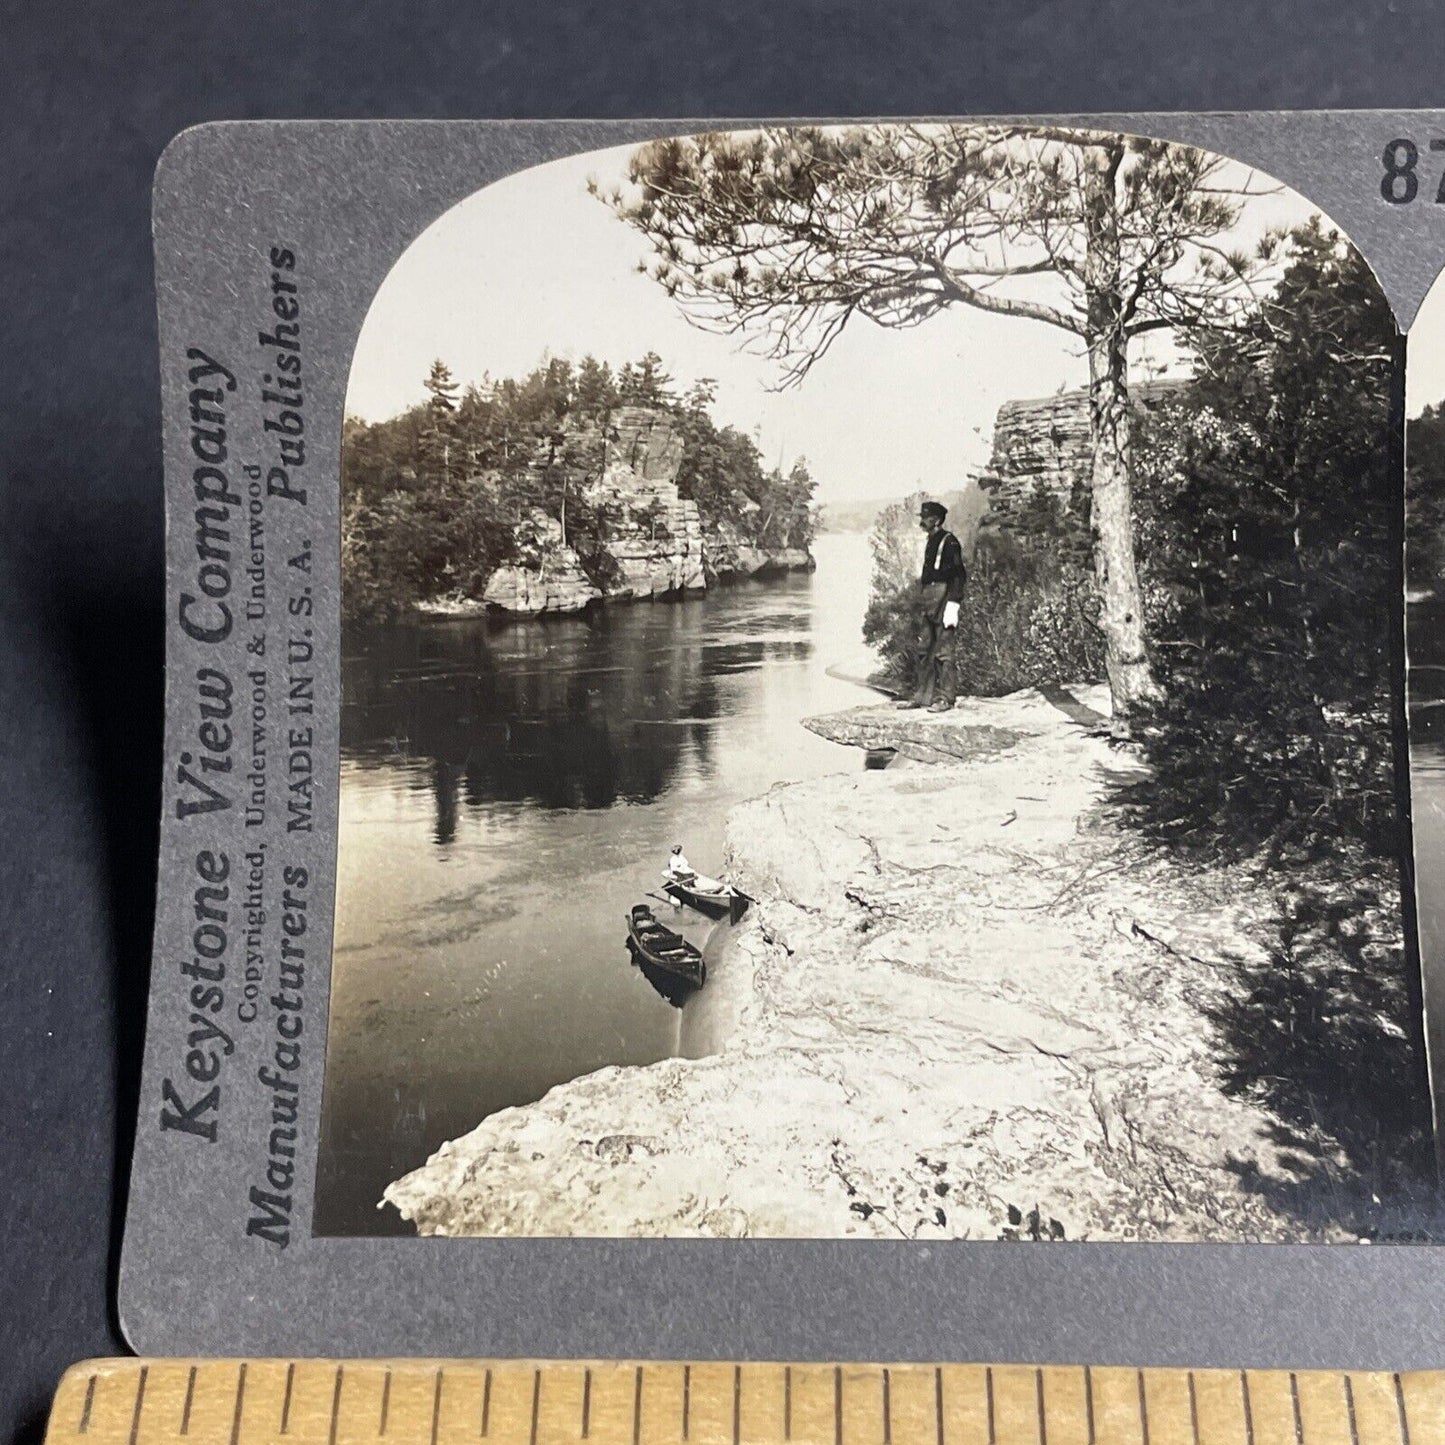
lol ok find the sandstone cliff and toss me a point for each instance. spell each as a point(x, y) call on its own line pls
point(653, 541)
point(728, 555)
point(965, 1006)
point(1046, 442)
point(547, 576)
point(653, 537)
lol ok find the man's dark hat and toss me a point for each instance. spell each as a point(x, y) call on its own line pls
point(933, 509)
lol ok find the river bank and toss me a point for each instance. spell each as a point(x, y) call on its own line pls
point(966, 1005)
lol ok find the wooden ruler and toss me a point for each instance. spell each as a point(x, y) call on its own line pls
point(440, 1402)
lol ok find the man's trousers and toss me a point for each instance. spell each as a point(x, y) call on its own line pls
point(936, 680)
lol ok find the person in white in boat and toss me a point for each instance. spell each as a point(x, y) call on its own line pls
point(679, 870)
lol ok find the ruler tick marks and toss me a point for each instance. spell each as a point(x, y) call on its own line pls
point(336, 1402)
point(140, 1395)
point(240, 1399)
point(1399, 1410)
point(186, 1408)
point(1007, 1419)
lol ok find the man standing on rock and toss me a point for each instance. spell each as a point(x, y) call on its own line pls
point(940, 590)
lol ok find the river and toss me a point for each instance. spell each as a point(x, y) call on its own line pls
point(508, 790)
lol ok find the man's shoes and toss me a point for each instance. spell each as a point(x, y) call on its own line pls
point(909, 702)
point(940, 706)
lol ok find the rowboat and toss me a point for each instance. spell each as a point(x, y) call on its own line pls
point(652, 943)
point(708, 895)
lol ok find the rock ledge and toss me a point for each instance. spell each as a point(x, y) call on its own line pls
point(923, 736)
point(964, 1000)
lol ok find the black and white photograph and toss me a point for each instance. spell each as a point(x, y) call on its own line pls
point(1425, 630)
point(873, 694)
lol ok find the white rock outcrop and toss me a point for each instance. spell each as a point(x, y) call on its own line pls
point(646, 541)
point(653, 536)
point(965, 1005)
point(558, 585)
point(549, 579)
point(729, 557)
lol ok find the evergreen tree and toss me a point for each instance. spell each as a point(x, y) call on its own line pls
point(595, 391)
point(439, 438)
point(646, 383)
point(1275, 501)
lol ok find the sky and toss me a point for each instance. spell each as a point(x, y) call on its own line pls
point(1425, 352)
point(535, 266)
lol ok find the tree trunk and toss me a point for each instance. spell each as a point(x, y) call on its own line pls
point(1131, 680)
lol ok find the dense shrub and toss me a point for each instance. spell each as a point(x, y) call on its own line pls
point(1425, 498)
point(1272, 503)
point(1026, 618)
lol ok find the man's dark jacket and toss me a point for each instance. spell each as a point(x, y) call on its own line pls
point(943, 562)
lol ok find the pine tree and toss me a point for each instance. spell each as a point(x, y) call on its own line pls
point(596, 390)
point(789, 234)
point(439, 437)
point(645, 383)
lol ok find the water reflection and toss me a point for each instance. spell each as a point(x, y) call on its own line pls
point(508, 792)
point(548, 712)
point(668, 986)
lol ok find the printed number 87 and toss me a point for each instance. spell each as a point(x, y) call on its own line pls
point(1400, 185)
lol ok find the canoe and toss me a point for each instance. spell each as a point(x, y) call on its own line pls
point(653, 943)
point(708, 896)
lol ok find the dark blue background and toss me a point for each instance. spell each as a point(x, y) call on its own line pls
point(89, 95)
